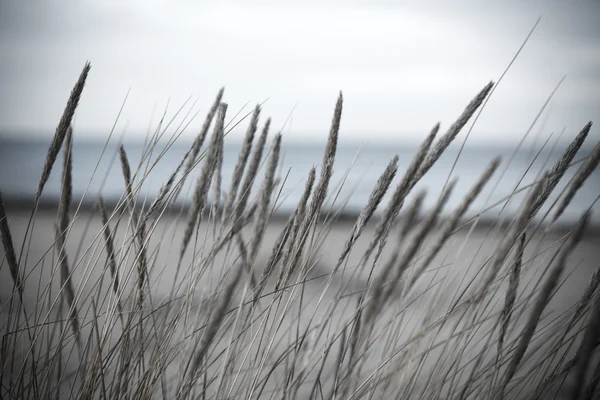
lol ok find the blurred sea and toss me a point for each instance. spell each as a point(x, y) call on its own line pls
point(357, 167)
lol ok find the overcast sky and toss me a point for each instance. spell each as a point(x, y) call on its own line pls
point(402, 67)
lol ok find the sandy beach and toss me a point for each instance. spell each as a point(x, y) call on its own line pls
point(465, 251)
point(459, 261)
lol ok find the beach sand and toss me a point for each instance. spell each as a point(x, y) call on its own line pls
point(460, 260)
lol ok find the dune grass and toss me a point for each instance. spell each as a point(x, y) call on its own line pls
point(237, 325)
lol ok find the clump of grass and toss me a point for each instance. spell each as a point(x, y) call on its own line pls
point(242, 161)
point(204, 181)
point(542, 301)
point(262, 309)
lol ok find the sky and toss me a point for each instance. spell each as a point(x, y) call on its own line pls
point(402, 66)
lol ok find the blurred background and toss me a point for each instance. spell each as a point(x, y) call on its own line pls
point(402, 68)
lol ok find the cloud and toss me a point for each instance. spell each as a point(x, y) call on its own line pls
point(401, 67)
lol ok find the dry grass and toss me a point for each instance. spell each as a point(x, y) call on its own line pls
point(237, 325)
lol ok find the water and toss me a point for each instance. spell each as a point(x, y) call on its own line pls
point(97, 170)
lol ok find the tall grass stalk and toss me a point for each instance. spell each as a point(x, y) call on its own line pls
point(224, 298)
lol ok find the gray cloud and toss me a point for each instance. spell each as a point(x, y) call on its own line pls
point(401, 68)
